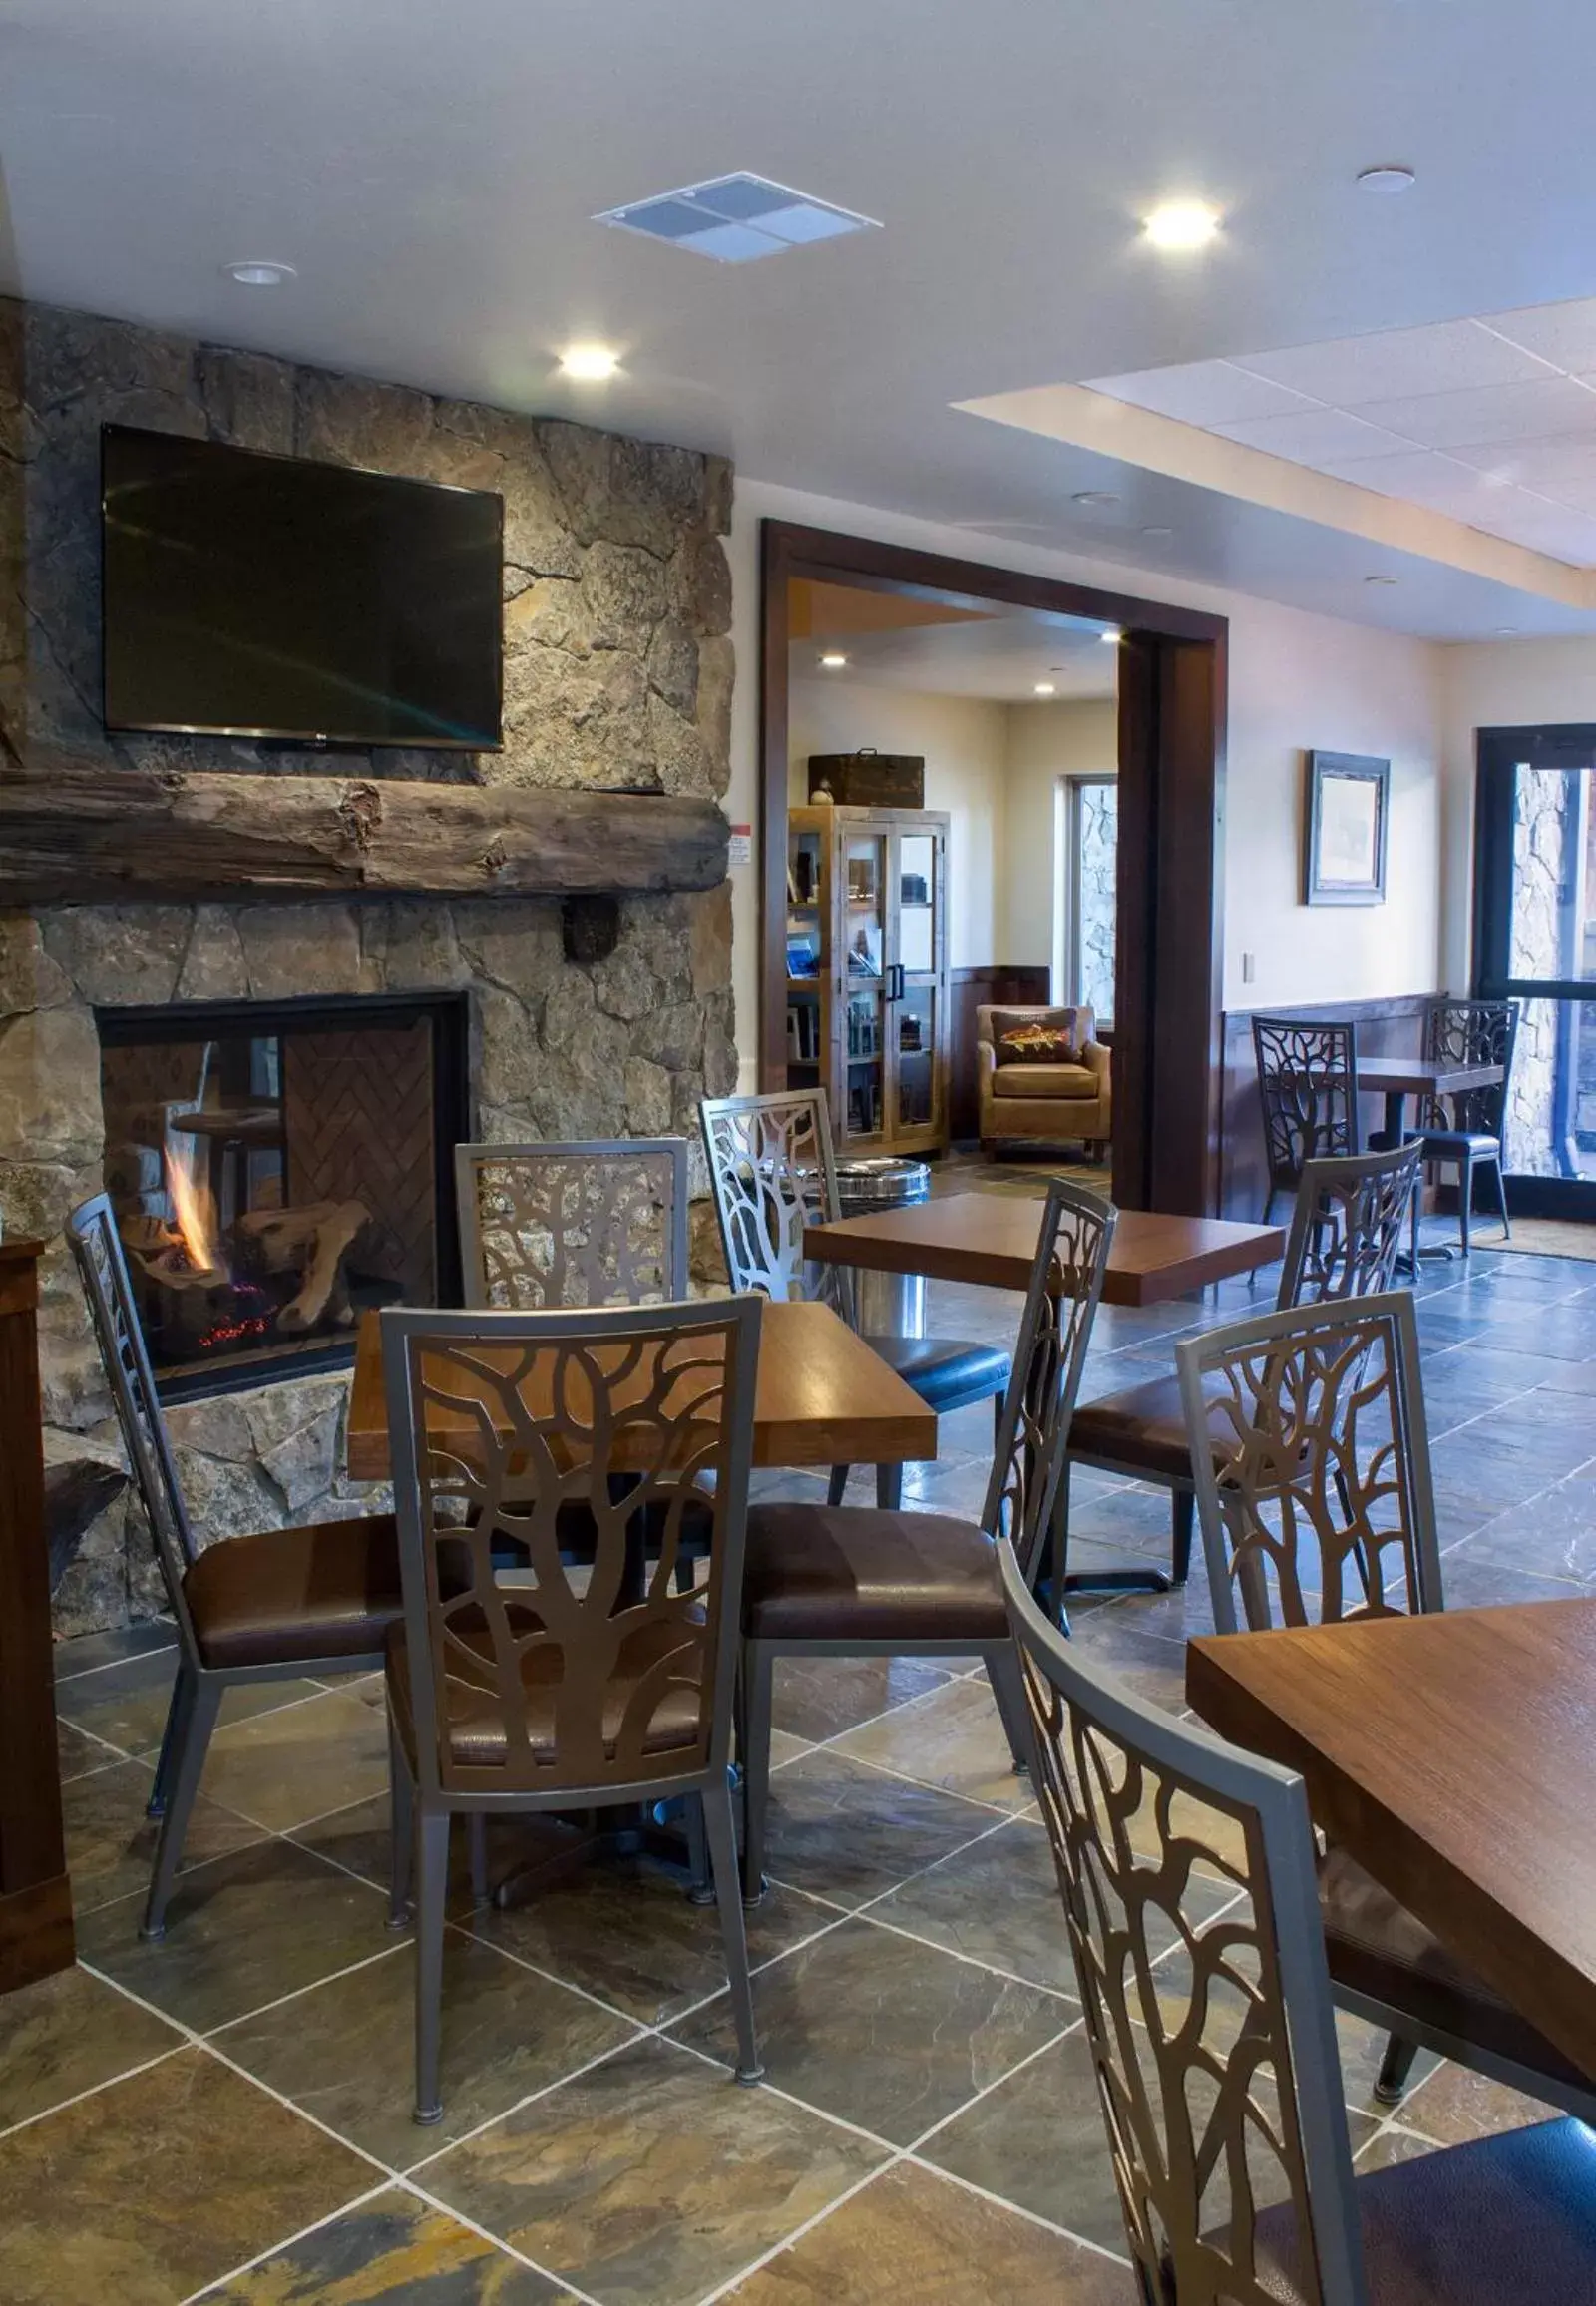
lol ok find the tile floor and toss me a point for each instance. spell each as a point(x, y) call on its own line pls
point(226, 2115)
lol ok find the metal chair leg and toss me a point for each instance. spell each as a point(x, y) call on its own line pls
point(1054, 1553)
point(889, 1488)
point(177, 1715)
point(1466, 1198)
point(476, 1824)
point(401, 1834)
point(1268, 1203)
point(1182, 1516)
point(721, 1832)
point(1002, 1662)
point(701, 1889)
point(759, 1694)
point(187, 1763)
point(1502, 1197)
point(837, 1485)
point(1397, 2063)
point(432, 1853)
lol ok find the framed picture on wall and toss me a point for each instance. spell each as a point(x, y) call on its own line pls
point(1346, 807)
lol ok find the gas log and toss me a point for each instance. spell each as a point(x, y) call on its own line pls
point(308, 1246)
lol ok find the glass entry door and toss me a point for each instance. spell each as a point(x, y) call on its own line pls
point(1535, 943)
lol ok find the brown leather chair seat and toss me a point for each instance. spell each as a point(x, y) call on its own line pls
point(1504, 2219)
point(477, 1734)
point(1044, 1081)
point(818, 1573)
point(327, 1590)
point(1376, 1947)
point(1142, 1426)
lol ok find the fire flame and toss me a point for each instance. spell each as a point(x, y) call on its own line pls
point(195, 1212)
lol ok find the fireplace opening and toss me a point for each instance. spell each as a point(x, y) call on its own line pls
point(279, 1168)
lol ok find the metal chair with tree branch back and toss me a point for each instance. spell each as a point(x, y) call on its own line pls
point(1186, 1872)
point(269, 1606)
point(520, 1683)
point(1308, 1088)
point(855, 1580)
point(1312, 1459)
point(774, 1173)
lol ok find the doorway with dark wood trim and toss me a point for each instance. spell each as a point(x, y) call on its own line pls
point(1170, 883)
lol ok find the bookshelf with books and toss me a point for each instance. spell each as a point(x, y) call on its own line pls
point(866, 971)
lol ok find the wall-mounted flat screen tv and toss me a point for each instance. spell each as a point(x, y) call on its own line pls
point(271, 596)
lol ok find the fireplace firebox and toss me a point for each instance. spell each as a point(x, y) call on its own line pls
point(277, 1168)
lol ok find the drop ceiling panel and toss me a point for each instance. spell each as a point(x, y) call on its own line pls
point(1564, 534)
point(1496, 412)
point(1205, 392)
point(1396, 363)
point(1314, 436)
point(1564, 334)
point(1489, 422)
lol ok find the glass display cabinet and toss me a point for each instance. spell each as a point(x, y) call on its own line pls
point(867, 972)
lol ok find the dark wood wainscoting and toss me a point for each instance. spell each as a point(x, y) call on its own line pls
point(1386, 1028)
point(34, 1894)
point(1023, 985)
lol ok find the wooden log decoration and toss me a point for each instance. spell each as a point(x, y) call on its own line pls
point(88, 832)
point(312, 1241)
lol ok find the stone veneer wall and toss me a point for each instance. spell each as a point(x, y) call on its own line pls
point(617, 675)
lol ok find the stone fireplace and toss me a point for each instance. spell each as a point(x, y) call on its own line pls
point(452, 910)
point(278, 1168)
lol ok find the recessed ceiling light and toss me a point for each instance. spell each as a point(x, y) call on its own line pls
point(1112, 636)
point(1181, 224)
point(1156, 532)
point(259, 272)
point(833, 660)
point(1389, 176)
point(1381, 580)
point(589, 363)
point(1506, 631)
point(1045, 688)
point(1095, 497)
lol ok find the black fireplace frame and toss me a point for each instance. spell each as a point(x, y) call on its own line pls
point(448, 1014)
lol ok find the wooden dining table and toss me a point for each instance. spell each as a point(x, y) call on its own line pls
point(1454, 1756)
point(991, 1239)
point(821, 1397)
point(1399, 1078)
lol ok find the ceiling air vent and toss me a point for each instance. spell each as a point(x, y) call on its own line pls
point(737, 218)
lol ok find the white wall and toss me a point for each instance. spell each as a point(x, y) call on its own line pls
point(1295, 681)
point(1067, 737)
point(1497, 684)
point(961, 740)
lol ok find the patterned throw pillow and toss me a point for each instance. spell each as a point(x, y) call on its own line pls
point(1037, 1045)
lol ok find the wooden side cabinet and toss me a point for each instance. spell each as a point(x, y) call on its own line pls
point(867, 1017)
point(34, 1894)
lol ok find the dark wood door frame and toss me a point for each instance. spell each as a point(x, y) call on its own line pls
point(1169, 1071)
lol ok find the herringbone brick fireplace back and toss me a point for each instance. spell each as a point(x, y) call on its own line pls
point(358, 1114)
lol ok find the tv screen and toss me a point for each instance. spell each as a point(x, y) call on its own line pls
point(263, 596)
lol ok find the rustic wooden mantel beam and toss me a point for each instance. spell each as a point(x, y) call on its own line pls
point(75, 832)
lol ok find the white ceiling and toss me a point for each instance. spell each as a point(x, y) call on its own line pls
point(432, 171)
point(1491, 422)
point(1000, 658)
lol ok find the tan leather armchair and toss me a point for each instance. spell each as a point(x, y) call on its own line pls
point(1054, 1103)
